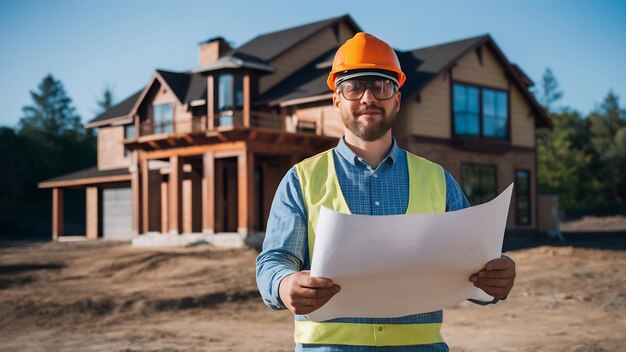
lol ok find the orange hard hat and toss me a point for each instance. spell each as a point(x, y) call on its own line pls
point(365, 52)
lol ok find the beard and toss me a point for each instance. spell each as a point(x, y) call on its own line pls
point(371, 130)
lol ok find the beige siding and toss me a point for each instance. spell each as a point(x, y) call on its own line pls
point(490, 73)
point(182, 117)
point(431, 116)
point(111, 148)
point(325, 119)
point(301, 54)
point(522, 120)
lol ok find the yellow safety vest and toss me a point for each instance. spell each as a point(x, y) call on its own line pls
point(320, 187)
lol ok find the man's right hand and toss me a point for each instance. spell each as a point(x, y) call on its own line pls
point(302, 294)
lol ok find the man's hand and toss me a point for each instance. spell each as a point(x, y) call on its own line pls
point(496, 278)
point(302, 294)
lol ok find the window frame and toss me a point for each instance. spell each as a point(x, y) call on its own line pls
point(528, 195)
point(495, 172)
point(163, 123)
point(481, 135)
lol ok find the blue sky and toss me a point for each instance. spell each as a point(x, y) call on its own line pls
point(92, 44)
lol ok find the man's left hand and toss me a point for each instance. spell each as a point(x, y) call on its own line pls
point(496, 278)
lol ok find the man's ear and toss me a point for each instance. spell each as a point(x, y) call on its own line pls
point(336, 101)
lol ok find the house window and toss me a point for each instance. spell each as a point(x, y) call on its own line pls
point(466, 111)
point(479, 182)
point(230, 92)
point(163, 118)
point(129, 132)
point(522, 197)
point(480, 112)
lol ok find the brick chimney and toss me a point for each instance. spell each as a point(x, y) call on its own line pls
point(213, 49)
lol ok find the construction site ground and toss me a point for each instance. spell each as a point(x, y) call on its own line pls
point(108, 296)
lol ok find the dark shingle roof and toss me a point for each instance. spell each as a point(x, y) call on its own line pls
point(268, 46)
point(236, 60)
point(91, 172)
point(197, 88)
point(119, 110)
point(307, 82)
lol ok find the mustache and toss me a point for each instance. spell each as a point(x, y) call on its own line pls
point(362, 111)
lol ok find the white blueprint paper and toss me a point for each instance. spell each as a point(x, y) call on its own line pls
point(396, 265)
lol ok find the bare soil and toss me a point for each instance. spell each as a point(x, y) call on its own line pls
point(107, 296)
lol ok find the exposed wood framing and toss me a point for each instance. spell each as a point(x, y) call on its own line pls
point(175, 193)
point(208, 193)
point(135, 185)
point(145, 200)
point(195, 150)
point(210, 89)
point(246, 100)
point(57, 213)
point(245, 173)
point(164, 208)
point(91, 212)
point(84, 181)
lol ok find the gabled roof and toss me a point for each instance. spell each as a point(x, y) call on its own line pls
point(120, 110)
point(235, 60)
point(424, 64)
point(268, 46)
point(178, 83)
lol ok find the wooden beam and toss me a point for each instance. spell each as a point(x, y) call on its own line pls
point(245, 173)
point(145, 200)
point(91, 212)
point(246, 100)
point(193, 150)
point(208, 193)
point(210, 91)
point(85, 181)
point(154, 145)
point(187, 209)
point(175, 194)
point(57, 213)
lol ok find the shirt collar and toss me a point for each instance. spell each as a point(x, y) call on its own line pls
point(348, 154)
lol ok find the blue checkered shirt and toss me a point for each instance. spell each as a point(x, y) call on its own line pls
point(380, 191)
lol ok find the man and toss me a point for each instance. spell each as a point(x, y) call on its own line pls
point(367, 173)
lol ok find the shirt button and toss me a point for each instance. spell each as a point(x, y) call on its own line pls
point(377, 202)
point(380, 328)
point(375, 175)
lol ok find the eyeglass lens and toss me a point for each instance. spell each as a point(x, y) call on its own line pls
point(354, 89)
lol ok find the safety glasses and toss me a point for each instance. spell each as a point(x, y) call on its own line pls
point(353, 89)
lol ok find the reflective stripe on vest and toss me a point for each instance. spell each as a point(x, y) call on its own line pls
point(320, 187)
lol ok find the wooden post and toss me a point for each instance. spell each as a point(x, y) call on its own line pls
point(57, 213)
point(175, 194)
point(164, 208)
point(245, 172)
point(208, 193)
point(135, 192)
point(91, 212)
point(187, 211)
point(246, 100)
point(145, 188)
point(210, 102)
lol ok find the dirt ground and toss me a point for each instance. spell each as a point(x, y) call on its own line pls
point(107, 296)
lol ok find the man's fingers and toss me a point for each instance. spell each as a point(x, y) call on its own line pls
point(501, 263)
point(313, 282)
point(493, 282)
point(496, 274)
point(317, 292)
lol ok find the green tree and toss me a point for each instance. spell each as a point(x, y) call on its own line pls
point(52, 111)
point(549, 90)
point(106, 101)
point(608, 138)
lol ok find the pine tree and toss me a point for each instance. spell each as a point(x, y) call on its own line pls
point(107, 100)
point(52, 111)
point(550, 92)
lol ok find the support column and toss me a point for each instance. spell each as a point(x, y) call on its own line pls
point(246, 100)
point(164, 208)
point(135, 193)
point(208, 193)
point(145, 179)
point(57, 213)
point(175, 193)
point(245, 173)
point(91, 213)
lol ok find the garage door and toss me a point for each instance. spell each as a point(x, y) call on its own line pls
point(117, 214)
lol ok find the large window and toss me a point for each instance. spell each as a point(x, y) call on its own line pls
point(479, 182)
point(230, 92)
point(129, 132)
point(522, 197)
point(480, 112)
point(163, 118)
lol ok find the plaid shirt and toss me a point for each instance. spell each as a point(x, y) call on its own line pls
point(380, 191)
